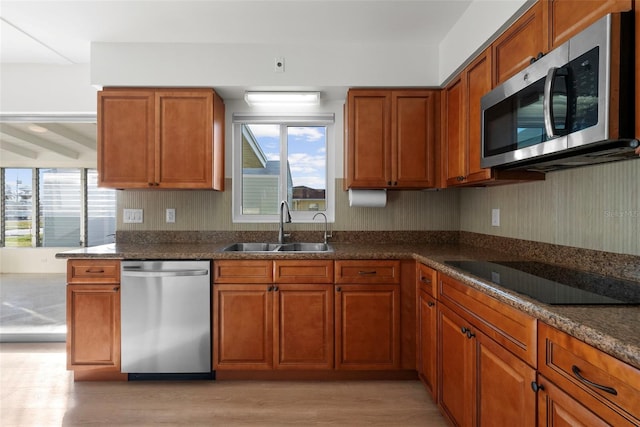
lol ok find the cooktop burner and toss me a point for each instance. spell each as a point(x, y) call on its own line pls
point(552, 284)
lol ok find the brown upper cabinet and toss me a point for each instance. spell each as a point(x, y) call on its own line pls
point(164, 138)
point(390, 138)
point(566, 18)
point(521, 42)
point(463, 129)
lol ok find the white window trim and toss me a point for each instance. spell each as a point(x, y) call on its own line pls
point(322, 119)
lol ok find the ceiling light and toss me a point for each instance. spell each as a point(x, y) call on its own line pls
point(282, 98)
point(37, 129)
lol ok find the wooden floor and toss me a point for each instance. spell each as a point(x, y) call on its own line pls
point(36, 390)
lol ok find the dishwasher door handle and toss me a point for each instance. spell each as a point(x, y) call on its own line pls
point(163, 273)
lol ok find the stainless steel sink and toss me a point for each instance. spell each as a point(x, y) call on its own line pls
point(252, 247)
point(277, 247)
point(305, 247)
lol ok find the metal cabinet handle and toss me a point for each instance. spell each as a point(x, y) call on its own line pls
point(536, 387)
point(362, 273)
point(338, 289)
point(116, 289)
point(431, 303)
point(576, 372)
point(270, 288)
point(276, 289)
point(90, 271)
point(425, 280)
point(467, 332)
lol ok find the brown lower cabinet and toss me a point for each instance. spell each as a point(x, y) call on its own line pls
point(273, 315)
point(481, 383)
point(427, 328)
point(273, 326)
point(557, 408)
point(367, 326)
point(269, 322)
point(93, 319)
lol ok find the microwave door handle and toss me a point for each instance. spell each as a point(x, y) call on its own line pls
point(547, 101)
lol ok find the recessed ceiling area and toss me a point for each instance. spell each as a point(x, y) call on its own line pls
point(25, 144)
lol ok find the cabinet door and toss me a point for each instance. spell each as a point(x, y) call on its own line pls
point(413, 116)
point(524, 40)
point(568, 17)
point(478, 83)
point(557, 408)
point(456, 369)
point(184, 139)
point(456, 144)
point(93, 327)
point(243, 327)
point(504, 393)
point(367, 326)
point(427, 342)
point(303, 326)
point(126, 138)
point(368, 142)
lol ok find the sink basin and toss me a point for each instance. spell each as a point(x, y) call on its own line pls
point(252, 247)
point(305, 247)
point(277, 247)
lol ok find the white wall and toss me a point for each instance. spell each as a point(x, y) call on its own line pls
point(31, 260)
point(36, 88)
point(482, 21)
point(232, 66)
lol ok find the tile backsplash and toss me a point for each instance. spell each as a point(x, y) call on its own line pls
point(595, 207)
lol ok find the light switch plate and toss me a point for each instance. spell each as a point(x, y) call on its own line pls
point(132, 216)
point(170, 215)
point(495, 217)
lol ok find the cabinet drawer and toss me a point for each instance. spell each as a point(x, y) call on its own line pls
point(511, 328)
point(367, 271)
point(297, 271)
point(93, 271)
point(427, 279)
point(243, 271)
point(583, 371)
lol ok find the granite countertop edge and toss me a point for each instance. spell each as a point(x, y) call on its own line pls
point(610, 329)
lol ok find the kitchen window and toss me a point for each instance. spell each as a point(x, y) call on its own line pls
point(282, 158)
point(55, 207)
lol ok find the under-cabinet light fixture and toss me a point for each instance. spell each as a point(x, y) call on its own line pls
point(282, 98)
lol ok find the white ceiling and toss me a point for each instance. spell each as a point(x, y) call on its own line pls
point(61, 32)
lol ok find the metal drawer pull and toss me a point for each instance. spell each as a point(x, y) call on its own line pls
point(425, 280)
point(94, 271)
point(367, 272)
point(576, 372)
point(431, 304)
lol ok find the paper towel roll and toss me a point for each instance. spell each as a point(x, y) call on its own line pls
point(367, 198)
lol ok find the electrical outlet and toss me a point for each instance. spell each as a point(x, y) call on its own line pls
point(278, 65)
point(170, 215)
point(132, 216)
point(495, 217)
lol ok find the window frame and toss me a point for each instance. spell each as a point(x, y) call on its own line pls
point(326, 120)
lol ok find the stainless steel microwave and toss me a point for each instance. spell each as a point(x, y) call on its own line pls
point(572, 107)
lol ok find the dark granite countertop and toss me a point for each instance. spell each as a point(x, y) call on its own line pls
point(612, 329)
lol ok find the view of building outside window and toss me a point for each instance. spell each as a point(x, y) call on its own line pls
point(60, 207)
point(305, 173)
point(18, 209)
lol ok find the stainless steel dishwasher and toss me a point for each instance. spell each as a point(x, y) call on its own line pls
point(166, 319)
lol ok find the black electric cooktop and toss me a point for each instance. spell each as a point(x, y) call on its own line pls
point(552, 284)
